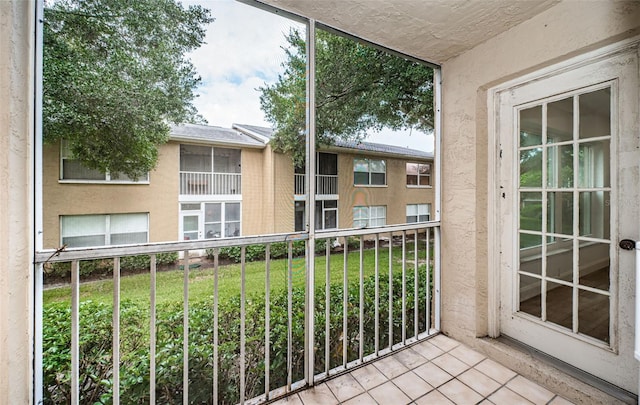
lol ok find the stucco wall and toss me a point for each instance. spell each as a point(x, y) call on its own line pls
point(253, 197)
point(395, 195)
point(566, 30)
point(16, 200)
point(159, 198)
point(283, 218)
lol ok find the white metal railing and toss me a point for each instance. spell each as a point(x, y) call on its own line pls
point(299, 188)
point(326, 184)
point(356, 313)
point(207, 183)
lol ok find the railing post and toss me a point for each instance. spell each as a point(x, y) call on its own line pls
point(311, 198)
point(75, 332)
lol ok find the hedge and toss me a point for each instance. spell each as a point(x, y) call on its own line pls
point(96, 334)
point(278, 250)
point(104, 267)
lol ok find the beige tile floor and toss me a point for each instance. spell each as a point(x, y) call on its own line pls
point(437, 371)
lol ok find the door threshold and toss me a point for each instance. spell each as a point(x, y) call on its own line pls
point(587, 378)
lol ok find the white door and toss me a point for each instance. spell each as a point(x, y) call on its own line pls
point(190, 225)
point(569, 192)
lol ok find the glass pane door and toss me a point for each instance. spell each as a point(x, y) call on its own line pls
point(564, 216)
point(190, 227)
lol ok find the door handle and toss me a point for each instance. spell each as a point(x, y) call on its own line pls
point(627, 244)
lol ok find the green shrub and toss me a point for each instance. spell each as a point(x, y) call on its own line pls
point(104, 267)
point(98, 267)
point(96, 335)
point(142, 262)
point(278, 250)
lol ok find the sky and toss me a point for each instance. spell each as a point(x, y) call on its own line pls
point(242, 52)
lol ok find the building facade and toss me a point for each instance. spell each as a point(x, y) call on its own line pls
point(213, 182)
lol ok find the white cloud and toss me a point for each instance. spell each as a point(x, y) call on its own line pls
point(243, 51)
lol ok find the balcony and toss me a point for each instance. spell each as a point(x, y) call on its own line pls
point(326, 184)
point(207, 183)
point(362, 326)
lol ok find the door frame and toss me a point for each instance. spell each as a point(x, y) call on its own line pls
point(193, 213)
point(494, 154)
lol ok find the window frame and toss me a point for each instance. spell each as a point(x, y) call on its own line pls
point(107, 228)
point(369, 172)
point(418, 175)
point(367, 210)
point(212, 158)
point(323, 214)
point(418, 215)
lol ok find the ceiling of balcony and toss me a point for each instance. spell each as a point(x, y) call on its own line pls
point(432, 30)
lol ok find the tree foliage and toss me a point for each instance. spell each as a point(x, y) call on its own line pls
point(359, 88)
point(115, 76)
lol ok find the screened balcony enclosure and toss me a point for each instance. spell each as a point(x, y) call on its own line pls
point(113, 290)
point(216, 283)
point(209, 171)
point(326, 175)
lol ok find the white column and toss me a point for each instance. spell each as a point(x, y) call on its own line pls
point(17, 22)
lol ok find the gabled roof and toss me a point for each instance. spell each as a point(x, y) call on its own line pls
point(213, 135)
point(257, 137)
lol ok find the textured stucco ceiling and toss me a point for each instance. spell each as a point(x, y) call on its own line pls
point(432, 30)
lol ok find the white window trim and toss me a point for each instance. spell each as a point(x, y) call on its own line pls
point(202, 220)
point(428, 207)
point(368, 216)
point(325, 210)
point(107, 219)
point(212, 149)
point(369, 172)
point(430, 175)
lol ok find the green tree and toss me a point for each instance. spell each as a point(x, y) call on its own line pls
point(115, 76)
point(359, 88)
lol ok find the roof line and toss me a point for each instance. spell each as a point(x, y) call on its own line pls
point(188, 139)
point(249, 132)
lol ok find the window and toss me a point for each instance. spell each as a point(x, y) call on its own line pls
point(205, 159)
point(72, 169)
point(101, 230)
point(369, 172)
point(365, 217)
point(419, 174)
point(221, 220)
point(299, 219)
point(418, 213)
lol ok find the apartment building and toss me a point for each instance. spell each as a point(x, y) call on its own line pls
point(213, 182)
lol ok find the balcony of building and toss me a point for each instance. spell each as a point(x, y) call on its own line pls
point(326, 184)
point(209, 171)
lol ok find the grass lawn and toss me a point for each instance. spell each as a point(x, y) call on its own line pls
point(169, 284)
